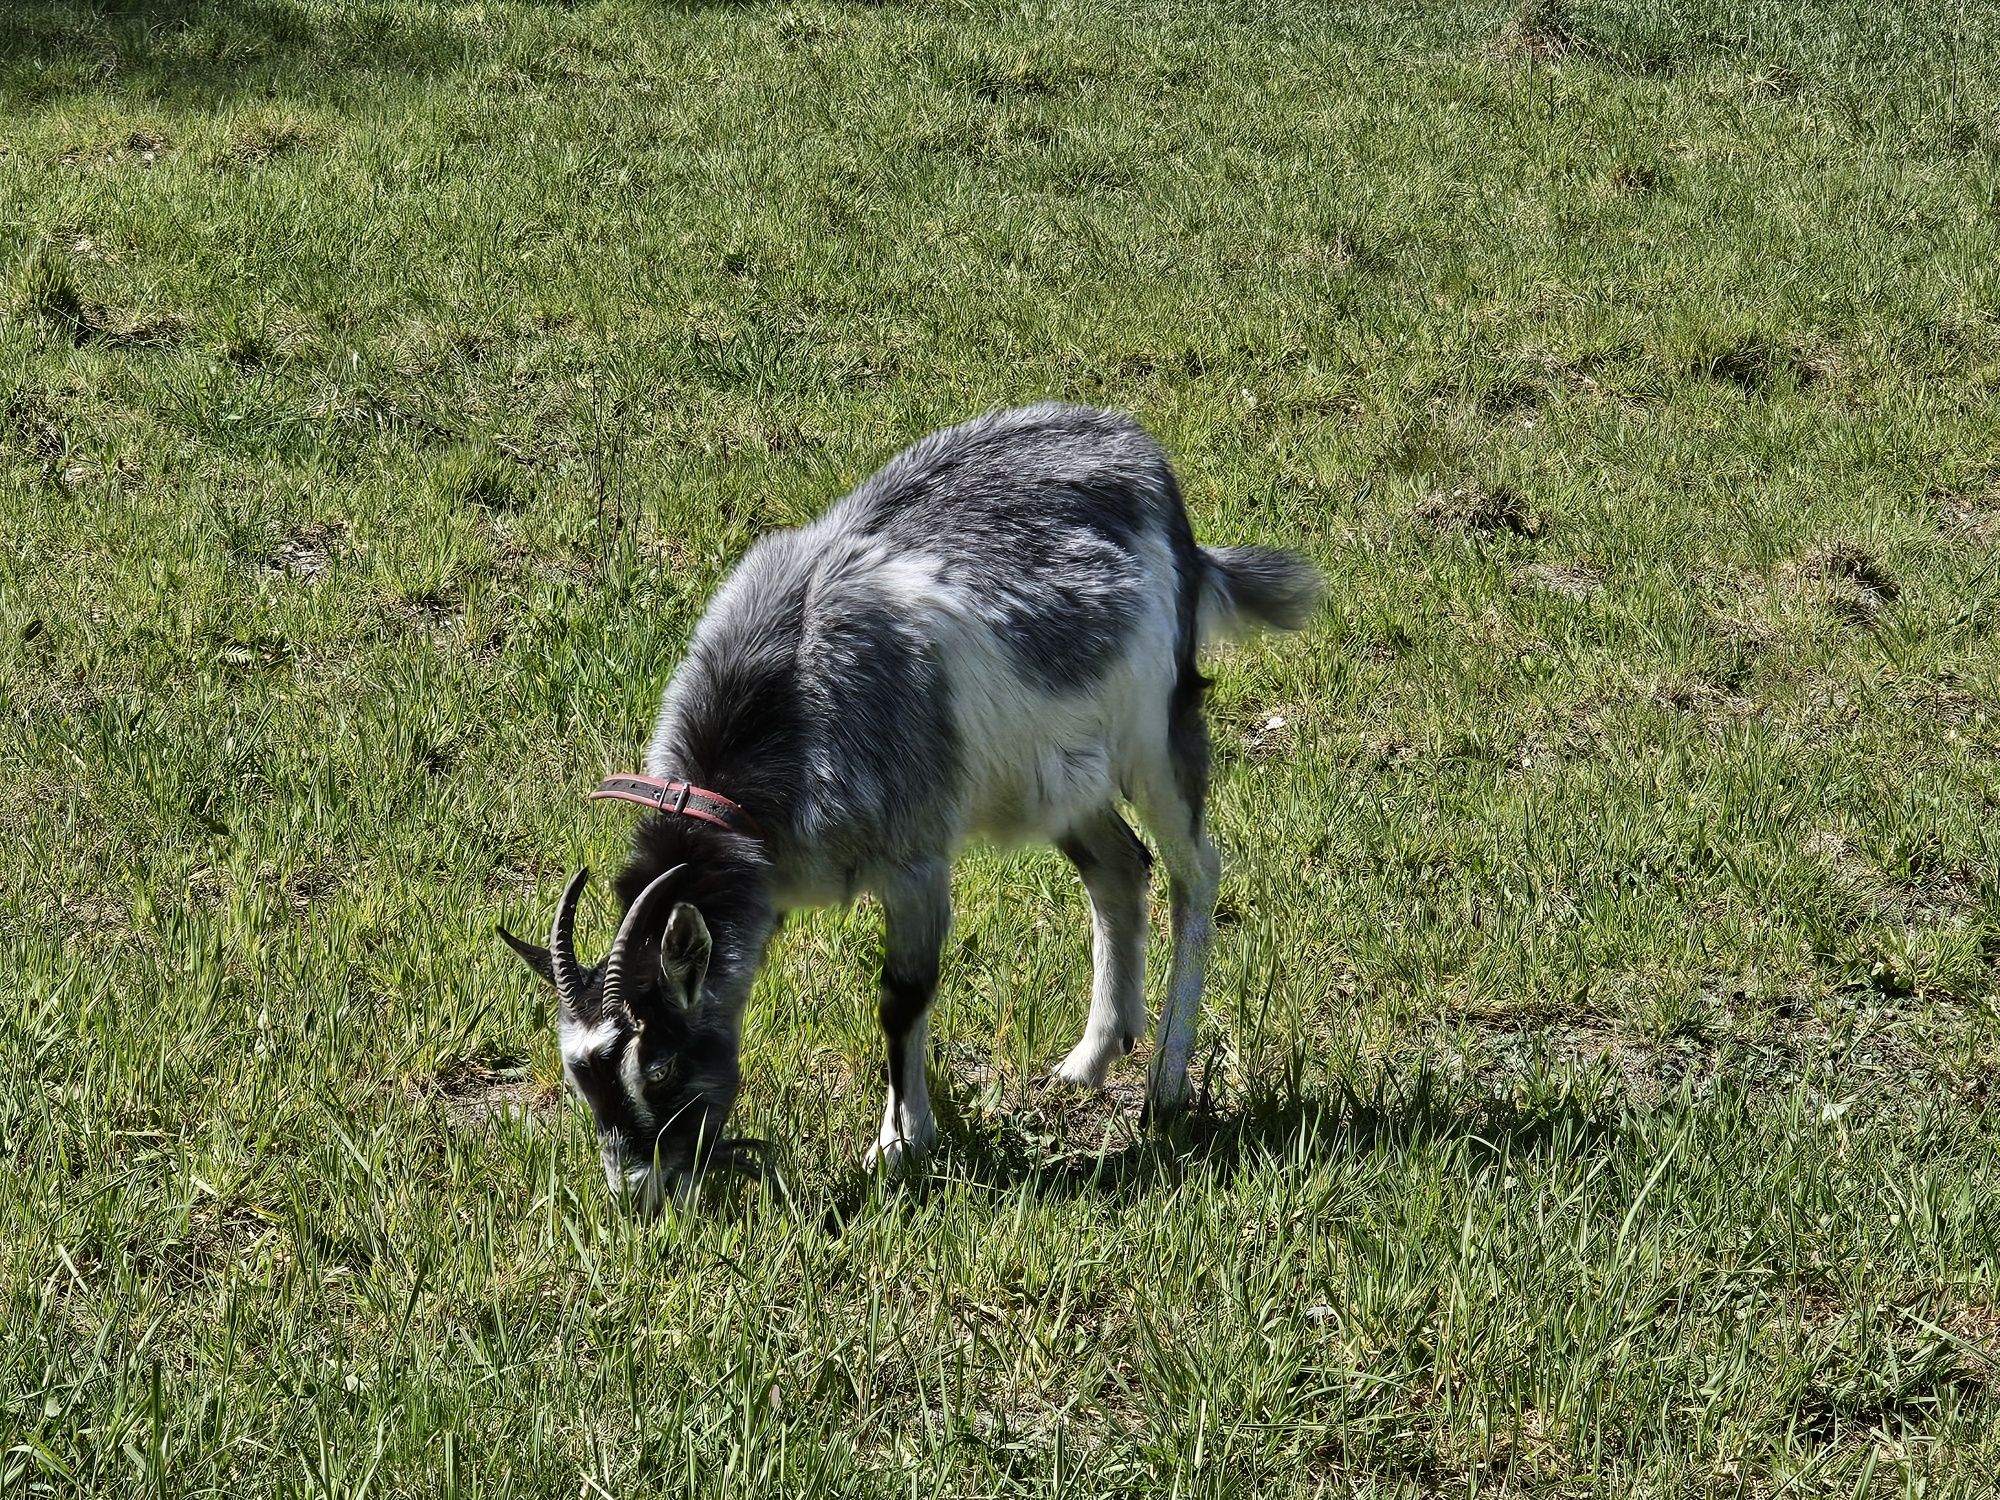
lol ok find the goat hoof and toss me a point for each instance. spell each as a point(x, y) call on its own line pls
point(895, 1156)
point(1081, 1080)
point(1085, 1066)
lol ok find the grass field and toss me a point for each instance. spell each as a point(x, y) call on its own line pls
point(1601, 1063)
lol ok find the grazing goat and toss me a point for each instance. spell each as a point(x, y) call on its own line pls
point(993, 635)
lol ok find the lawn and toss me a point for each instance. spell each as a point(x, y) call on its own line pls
point(1601, 1062)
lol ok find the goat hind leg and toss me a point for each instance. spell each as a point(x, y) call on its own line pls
point(1195, 871)
point(1114, 866)
point(1175, 804)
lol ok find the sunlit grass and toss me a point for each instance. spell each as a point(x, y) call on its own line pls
point(1600, 1057)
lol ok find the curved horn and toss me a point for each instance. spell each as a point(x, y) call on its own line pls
point(564, 969)
point(621, 946)
point(536, 958)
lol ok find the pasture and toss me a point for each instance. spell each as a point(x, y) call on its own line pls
point(1601, 1062)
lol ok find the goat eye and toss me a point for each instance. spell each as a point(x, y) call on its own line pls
point(658, 1071)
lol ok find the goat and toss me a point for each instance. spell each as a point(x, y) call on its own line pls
point(993, 635)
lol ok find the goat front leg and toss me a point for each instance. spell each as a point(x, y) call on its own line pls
point(916, 912)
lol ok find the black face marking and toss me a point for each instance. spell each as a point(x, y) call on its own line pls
point(686, 1087)
point(660, 1081)
point(598, 1077)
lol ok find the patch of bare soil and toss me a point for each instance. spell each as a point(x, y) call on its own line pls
point(143, 146)
point(1646, 1071)
point(512, 881)
point(1861, 1045)
point(1574, 581)
point(254, 652)
point(1855, 584)
point(1389, 753)
point(1858, 1384)
point(134, 333)
point(1974, 1328)
point(310, 887)
point(1757, 364)
point(1258, 731)
point(1927, 895)
point(1271, 737)
point(1046, 1121)
point(1629, 179)
point(1542, 31)
point(1942, 697)
point(1528, 382)
point(1702, 699)
point(1970, 512)
point(1571, 732)
point(1475, 509)
point(209, 887)
point(473, 1094)
point(88, 914)
point(47, 295)
point(512, 561)
point(432, 613)
point(269, 138)
point(31, 421)
point(306, 552)
point(221, 1237)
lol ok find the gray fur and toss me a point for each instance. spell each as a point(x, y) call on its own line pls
point(1252, 586)
point(993, 635)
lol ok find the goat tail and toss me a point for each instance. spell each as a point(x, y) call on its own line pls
point(1245, 588)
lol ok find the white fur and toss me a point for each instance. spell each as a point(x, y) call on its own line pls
point(909, 1128)
point(580, 1043)
point(1034, 762)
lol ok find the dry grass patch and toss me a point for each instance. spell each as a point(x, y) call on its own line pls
point(1539, 31)
point(1479, 510)
point(475, 1093)
point(307, 551)
point(271, 136)
point(1577, 581)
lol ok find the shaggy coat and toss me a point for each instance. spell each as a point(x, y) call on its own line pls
point(995, 635)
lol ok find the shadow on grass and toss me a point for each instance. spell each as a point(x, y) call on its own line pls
point(203, 52)
point(1298, 1126)
point(190, 52)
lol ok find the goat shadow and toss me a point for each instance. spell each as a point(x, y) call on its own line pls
point(198, 53)
point(1003, 1151)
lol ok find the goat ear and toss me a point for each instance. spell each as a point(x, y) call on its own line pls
point(684, 953)
point(533, 955)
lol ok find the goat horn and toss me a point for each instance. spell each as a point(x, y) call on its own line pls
point(564, 969)
point(621, 946)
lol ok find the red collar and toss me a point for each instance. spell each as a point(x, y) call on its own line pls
point(679, 798)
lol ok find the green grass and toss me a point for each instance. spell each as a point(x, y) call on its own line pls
point(1602, 1048)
